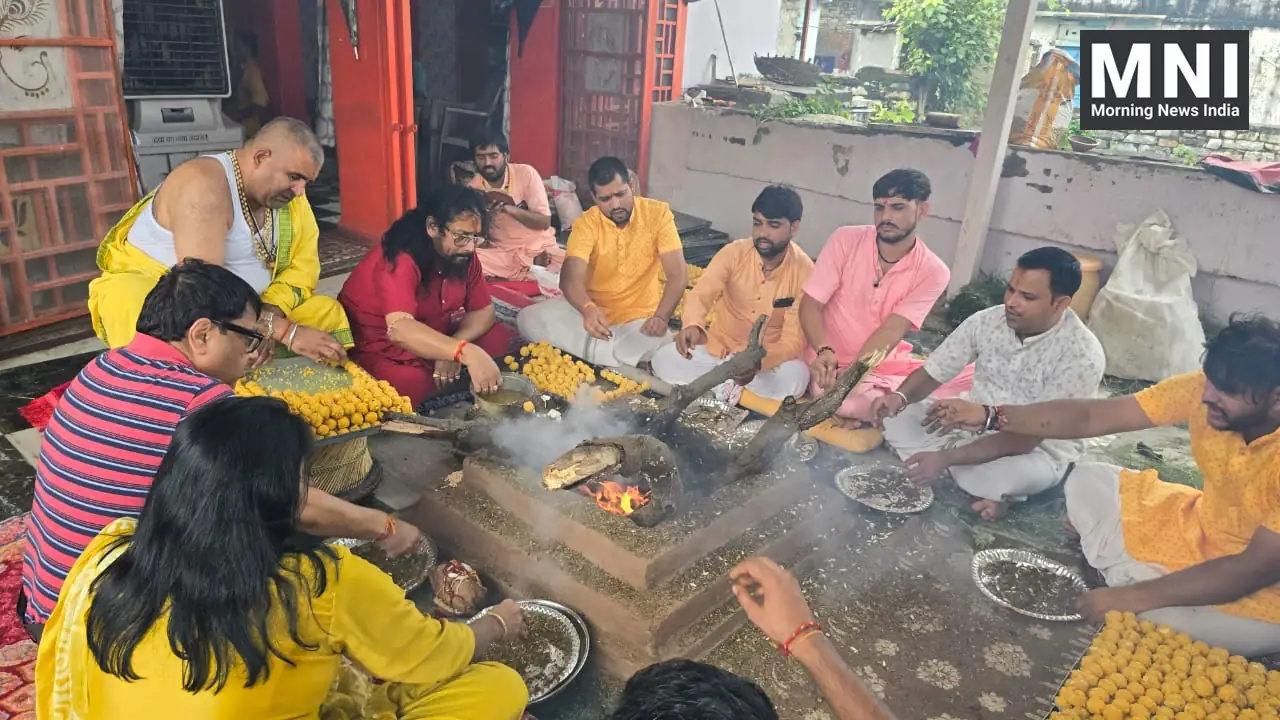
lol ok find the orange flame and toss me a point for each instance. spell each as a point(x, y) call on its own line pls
point(616, 498)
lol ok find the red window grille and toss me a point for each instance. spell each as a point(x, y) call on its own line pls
point(66, 169)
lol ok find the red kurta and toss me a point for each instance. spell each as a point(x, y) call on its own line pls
point(377, 288)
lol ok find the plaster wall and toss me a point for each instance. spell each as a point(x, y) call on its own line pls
point(711, 163)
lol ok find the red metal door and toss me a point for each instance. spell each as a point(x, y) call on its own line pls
point(620, 57)
point(66, 170)
point(373, 114)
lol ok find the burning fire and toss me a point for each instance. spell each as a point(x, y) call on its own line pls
point(616, 498)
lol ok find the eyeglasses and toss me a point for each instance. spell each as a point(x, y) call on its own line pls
point(463, 239)
point(253, 338)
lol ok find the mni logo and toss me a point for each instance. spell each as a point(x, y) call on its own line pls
point(1164, 79)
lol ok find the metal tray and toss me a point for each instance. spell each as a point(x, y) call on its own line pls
point(576, 629)
point(986, 558)
point(861, 485)
point(424, 556)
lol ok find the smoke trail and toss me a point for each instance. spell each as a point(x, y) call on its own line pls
point(533, 442)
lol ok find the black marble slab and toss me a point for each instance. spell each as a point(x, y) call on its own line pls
point(21, 385)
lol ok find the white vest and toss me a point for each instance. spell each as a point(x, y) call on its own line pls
point(240, 256)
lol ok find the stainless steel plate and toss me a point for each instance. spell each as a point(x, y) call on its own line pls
point(409, 571)
point(987, 562)
point(548, 681)
point(883, 488)
point(710, 411)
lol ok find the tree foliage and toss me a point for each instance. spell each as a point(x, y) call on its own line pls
point(945, 42)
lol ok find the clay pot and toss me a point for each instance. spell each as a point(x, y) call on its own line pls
point(1082, 143)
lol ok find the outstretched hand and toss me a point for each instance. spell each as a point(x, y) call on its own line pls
point(771, 597)
point(954, 414)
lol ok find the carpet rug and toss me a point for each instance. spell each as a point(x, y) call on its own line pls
point(17, 651)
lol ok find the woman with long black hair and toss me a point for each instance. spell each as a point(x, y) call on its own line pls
point(212, 605)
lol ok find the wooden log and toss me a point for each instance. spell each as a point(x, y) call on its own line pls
point(749, 359)
point(793, 417)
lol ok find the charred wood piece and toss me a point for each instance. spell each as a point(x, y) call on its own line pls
point(639, 459)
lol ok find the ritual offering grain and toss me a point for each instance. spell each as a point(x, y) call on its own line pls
point(339, 411)
point(405, 570)
point(1032, 589)
point(625, 386)
point(541, 654)
point(1136, 669)
point(528, 406)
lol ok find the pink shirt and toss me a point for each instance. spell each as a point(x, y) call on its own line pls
point(524, 186)
point(844, 279)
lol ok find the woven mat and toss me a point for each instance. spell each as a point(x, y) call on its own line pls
point(17, 652)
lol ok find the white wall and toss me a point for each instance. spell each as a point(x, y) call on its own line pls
point(751, 26)
point(704, 162)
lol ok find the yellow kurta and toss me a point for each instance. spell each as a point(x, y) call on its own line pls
point(362, 615)
point(128, 275)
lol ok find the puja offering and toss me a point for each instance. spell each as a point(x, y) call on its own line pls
point(885, 489)
point(551, 370)
point(1029, 583)
point(1137, 669)
point(334, 401)
point(457, 588)
point(550, 652)
point(408, 571)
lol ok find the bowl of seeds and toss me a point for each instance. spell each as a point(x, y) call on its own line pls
point(883, 488)
point(409, 571)
point(550, 652)
point(1029, 583)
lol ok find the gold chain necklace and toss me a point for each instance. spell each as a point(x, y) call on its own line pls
point(263, 236)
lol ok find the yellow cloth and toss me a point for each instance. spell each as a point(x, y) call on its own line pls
point(859, 441)
point(362, 615)
point(1178, 526)
point(128, 275)
point(622, 264)
point(735, 290)
point(251, 93)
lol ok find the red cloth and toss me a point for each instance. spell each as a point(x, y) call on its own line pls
point(413, 377)
point(378, 288)
point(39, 412)
point(17, 651)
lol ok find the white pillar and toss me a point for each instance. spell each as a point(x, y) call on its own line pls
point(994, 141)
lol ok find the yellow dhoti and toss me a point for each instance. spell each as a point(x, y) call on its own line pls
point(128, 275)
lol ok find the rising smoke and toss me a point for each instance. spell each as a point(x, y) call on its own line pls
point(532, 442)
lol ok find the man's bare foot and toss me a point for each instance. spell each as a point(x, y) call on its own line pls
point(990, 509)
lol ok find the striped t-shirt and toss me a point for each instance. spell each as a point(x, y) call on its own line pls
point(100, 454)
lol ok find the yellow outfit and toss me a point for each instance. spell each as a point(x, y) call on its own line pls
point(362, 615)
point(1178, 526)
point(252, 92)
point(129, 274)
point(622, 263)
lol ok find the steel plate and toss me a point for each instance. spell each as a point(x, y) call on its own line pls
point(985, 582)
point(883, 489)
point(423, 560)
point(802, 447)
point(575, 656)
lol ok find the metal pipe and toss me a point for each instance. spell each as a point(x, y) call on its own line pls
point(804, 28)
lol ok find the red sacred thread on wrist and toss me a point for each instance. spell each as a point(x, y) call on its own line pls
point(1000, 417)
point(785, 648)
point(457, 352)
point(388, 531)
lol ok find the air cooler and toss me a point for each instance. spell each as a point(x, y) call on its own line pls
point(176, 74)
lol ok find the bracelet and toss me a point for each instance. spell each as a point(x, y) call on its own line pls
point(501, 622)
point(388, 531)
point(986, 423)
point(457, 352)
point(998, 414)
point(805, 629)
point(271, 325)
point(905, 401)
point(587, 307)
point(293, 333)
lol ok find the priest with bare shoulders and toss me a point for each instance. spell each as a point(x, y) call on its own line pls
point(245, 210)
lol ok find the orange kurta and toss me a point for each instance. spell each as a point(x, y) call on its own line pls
point(735, 288)
point(513, 246)
point(623, 269)
point(1176, 526)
